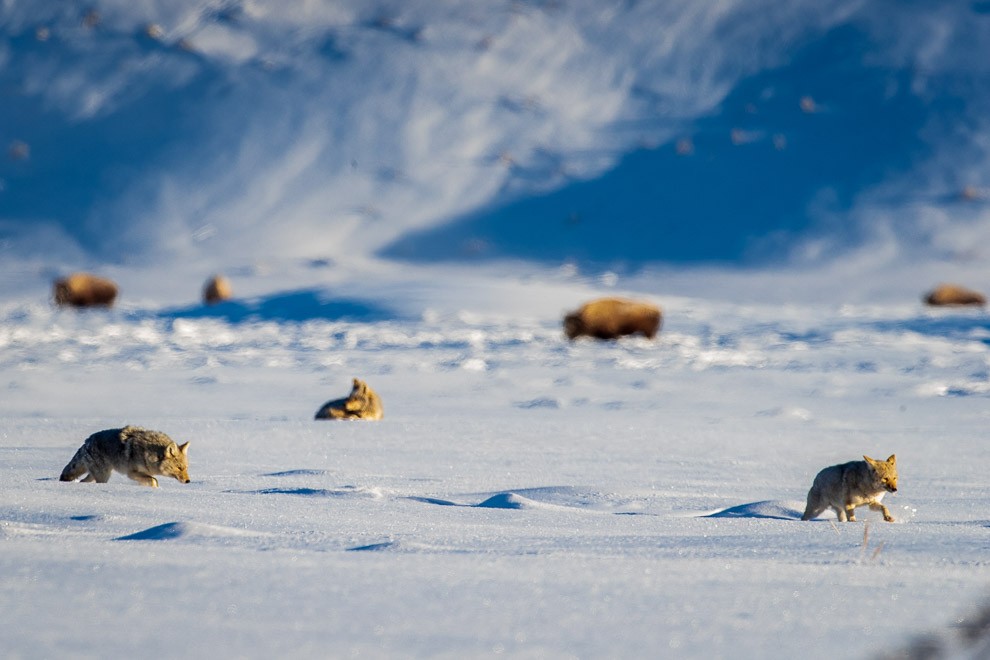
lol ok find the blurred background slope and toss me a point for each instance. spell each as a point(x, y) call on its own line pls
point(744, 133)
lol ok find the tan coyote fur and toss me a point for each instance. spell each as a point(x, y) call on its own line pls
point(849, 485)
point(361, 403)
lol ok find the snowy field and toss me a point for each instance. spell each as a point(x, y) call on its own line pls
point(414, 193)
point(523, 496)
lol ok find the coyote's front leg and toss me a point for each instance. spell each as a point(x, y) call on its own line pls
point(878, 506)
point(143, 479)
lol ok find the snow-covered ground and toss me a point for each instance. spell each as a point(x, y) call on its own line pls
point(414, 193)
point(523, 495)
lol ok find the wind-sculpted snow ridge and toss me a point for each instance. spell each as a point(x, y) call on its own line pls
point(766, 509)
point(552, 497)
point(188, 531)
point(352, 491)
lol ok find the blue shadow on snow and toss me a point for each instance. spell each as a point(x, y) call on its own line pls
point(303, 305)
point(767, 509)
point(954, 325)
point(742, 195)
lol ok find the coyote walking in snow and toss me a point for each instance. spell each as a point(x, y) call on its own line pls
point(138, 453)
point(849, 485)
point(361, 403)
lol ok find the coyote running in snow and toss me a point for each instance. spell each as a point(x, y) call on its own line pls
point(138, 453)
point(849, 485)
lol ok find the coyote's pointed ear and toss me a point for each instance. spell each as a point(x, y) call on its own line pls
point(184, 448)
point(357, 382)
point(869, 460)
point(892, 459)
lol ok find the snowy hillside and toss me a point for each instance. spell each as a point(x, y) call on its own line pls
point(413, 193)
point(613, 135)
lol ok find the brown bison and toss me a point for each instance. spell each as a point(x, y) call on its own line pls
point(611, 318)
point(84, 290)
point(361, 403)
point(953, 294)
point(217, 289)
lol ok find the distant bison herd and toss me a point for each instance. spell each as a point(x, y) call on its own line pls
point(88, 290)
point(602, 318)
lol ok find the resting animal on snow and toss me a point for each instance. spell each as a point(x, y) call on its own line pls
point(84, 290)
point(217, 289)
point(361, 403)
point(611, 318)
point(953, 294)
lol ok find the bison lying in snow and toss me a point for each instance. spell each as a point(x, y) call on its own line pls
point(953, 294)
point(217, 289)
point(610, 318)
point(84, 290)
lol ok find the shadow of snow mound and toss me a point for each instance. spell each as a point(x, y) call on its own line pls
point(497, 501)
point(548, 497)
point(376, 547)
point(302, 472)
point(402, 546)
point(971, 325)
point(772, 509)
point(185, 530)
point(304, 305)
point(707, 185)
point(307, 492)
point(507, 501)
point(435, 500)
point(547, 403)
point(347, 491)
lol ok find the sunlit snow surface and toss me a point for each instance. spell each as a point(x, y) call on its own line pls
point(413, 193)
point(523, 495)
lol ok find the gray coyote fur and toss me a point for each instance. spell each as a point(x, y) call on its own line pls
point(138, 453)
